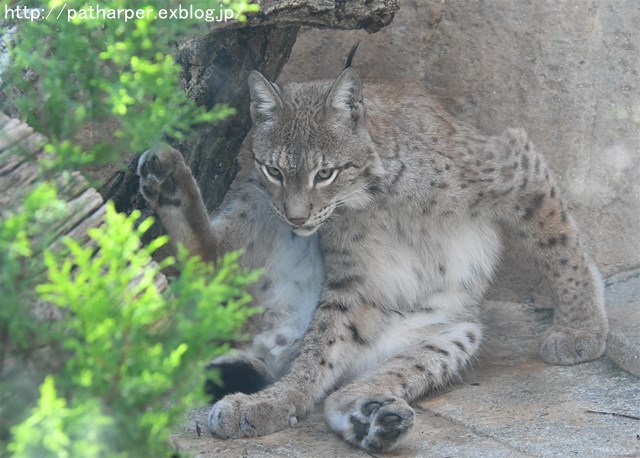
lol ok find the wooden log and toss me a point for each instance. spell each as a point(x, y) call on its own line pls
point(19, 173)
point(14, 183)
point(370, 15)
point(13, 132)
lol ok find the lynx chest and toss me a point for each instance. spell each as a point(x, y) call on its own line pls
point(400, 259)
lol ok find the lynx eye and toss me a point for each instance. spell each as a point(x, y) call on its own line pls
point(272, 173)
point(325, 175)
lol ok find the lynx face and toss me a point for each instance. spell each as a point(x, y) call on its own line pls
point(311, 149)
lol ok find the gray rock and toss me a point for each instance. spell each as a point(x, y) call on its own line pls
point(622, 297)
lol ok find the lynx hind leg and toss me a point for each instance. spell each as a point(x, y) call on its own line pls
point(171, 191)
point(527, 195)
point(579, 331)
point(155, 169)
point(373, 411)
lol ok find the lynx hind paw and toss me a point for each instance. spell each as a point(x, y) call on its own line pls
point(373, 424)
point(566, 346)
point(155, 169)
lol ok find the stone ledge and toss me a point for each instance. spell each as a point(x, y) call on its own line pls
point(622, 296)
point(510, 403)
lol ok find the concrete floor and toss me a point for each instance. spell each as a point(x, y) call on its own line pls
point(510, 403)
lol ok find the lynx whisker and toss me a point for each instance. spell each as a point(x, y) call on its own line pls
point(346, 199)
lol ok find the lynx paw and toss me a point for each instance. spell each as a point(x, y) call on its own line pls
point(374, 424)
point(239, 415)
point(155, 169)
point(566, 346)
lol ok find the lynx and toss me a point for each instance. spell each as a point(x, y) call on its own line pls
point(376, 215)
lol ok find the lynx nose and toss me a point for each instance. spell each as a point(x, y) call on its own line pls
point(297, 221)
point(297, 208)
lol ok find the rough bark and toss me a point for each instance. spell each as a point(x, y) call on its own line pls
point(370, 15)
point(215, 68)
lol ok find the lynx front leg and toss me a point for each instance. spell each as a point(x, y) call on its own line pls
point(169, 188)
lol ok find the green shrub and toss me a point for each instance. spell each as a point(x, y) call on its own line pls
point(135, 355)
point(54, 429)
point(67, 73)
point(121, 363)
point(23, 235)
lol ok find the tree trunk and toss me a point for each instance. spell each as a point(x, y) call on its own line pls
point(215, 70)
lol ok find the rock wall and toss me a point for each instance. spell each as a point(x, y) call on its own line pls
point(567, 71)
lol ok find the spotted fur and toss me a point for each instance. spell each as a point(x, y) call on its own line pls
point(405, 203)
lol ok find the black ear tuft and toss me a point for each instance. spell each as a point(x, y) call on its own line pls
point(351, 54)
point(237, 377)
point(265, 99)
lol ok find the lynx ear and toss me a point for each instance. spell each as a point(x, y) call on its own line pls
point(265, 99)
point(346, 94)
